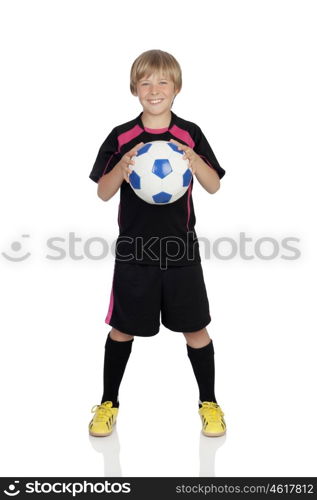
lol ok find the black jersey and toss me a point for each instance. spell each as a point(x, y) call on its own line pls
point(161, 235)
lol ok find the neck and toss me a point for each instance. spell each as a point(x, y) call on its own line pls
point(156, 121)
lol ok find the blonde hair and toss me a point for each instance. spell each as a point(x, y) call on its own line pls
point(155, 61)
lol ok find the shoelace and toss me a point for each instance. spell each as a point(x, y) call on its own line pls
point(102, 411)
point(211, 410)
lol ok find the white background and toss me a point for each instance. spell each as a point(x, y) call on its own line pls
point(249, 81)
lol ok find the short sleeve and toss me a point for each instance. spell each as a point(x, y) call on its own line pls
point(203, 149)
point(107, 157)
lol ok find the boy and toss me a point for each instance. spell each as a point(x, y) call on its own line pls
point(156, 277)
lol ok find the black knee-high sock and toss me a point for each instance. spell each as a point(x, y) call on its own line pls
point(202, 360)
point(116, 357)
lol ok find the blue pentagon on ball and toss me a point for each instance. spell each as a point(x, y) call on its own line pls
point(135, 180)
point(144, 149)
point(162, 197)
point(187, 177)
point(174, 147)
point(162, 168)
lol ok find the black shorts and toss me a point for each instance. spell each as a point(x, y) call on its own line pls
point(141, 292)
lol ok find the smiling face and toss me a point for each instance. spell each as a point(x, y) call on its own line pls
point(156, 93)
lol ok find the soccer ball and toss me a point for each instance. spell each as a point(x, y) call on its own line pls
point(160, 175)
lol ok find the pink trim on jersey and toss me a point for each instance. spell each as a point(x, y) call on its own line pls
point(108, 163)
point(205, 160)
point(188, 203)
point(183, 135)
point(129, 135)
point(156, 130)
point(111, 303)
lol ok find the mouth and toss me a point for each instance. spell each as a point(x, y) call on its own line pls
point(155, 101)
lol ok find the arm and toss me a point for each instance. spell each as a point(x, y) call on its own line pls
point(109, 183)
point(207, 176)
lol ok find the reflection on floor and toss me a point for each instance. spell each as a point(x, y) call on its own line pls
point(109, 447)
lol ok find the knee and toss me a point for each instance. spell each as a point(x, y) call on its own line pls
point(197, 339)
point(120, 336)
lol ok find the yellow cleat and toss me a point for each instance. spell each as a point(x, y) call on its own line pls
point(104, 419)
point(213, 423)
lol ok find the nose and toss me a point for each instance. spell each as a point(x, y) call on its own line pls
point(154, 89)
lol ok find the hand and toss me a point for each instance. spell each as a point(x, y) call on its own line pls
point(126, 160)
point(189, 155)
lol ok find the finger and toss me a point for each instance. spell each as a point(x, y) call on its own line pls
point(179, 144)
point(128, 172)
point(137, 147)
point(186, 156)
point(134, 150)
point(129, 160)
